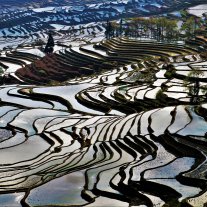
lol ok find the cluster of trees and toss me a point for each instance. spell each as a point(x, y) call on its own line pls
point(159, 28)
point(192, 24)
point(156, 27)
point(114, 29)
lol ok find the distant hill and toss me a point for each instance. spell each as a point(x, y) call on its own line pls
point(44, 3)
point(41, 3)
point(33, 18)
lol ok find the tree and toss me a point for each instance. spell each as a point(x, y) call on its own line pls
point(189, 26)
point(120, 27)
point(108, 29)
point(2, 75)
point(171, 29)
point(50, 44)
point(192, 84)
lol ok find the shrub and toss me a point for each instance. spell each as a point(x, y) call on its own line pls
point(160, 96)
point(125, 68)
point(1, 70)
point(133, 66)
point(169, 73)
point(42, 72)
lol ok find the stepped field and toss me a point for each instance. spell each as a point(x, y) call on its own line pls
point(106, 124)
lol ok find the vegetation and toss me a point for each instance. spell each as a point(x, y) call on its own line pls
point(1, 75)
point(42, 72)
point(1, 70)
point(160, 96)
point(159, 28)
point(192, 85)
point(170, 71)
point(192, 25)
point(50, 44)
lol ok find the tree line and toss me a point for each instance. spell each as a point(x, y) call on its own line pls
point(160, 28)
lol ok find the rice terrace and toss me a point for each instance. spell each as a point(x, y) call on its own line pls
point(103, 103)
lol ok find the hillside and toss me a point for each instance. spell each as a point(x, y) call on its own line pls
point(101, 113)
point(121, 134)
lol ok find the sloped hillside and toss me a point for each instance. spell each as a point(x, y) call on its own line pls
point(126, 133)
